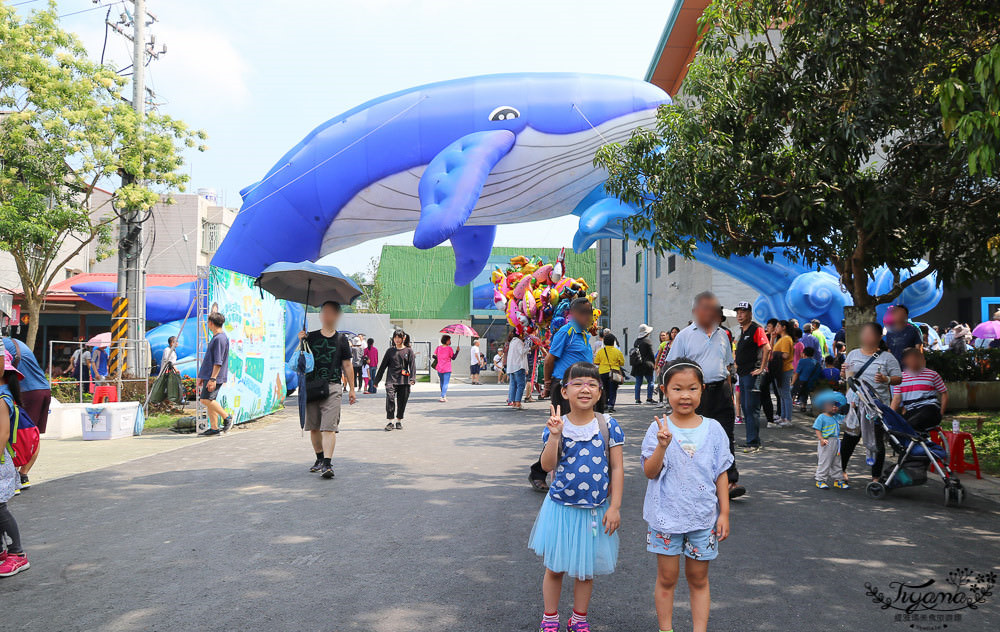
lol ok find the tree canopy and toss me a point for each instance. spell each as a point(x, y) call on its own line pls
point(817, 125)
point(65, 129)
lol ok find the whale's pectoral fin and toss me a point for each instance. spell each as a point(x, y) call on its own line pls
point(601, 220)
point(450, 186)
point(472, 245)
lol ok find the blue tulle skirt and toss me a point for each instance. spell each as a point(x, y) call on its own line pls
point(572, 540)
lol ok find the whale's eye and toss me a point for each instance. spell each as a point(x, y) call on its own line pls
point(504, 113)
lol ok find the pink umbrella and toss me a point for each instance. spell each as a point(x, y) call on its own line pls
point(100, 340)
point(458, 329)
point(989, 330)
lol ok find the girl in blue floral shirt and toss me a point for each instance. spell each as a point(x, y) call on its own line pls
point(685, 457)
point(575, 531)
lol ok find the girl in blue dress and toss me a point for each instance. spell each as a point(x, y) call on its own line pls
point(685, 457)
point(575, 531)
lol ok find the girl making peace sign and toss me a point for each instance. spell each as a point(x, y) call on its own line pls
point(575, 531)
point(685, 457)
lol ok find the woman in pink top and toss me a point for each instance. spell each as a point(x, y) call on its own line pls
point(797, 348)
point(444, 354)
point(371, 359)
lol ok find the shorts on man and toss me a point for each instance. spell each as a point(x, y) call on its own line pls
point(324, 415)
point(207, 394)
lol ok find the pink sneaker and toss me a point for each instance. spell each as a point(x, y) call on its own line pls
point(14, 564)
point(582, 626)
point(549, 626)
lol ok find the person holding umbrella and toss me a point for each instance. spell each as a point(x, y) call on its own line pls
point(443, 356)
point(324, 385)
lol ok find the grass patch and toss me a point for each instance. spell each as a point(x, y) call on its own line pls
point(162, 420)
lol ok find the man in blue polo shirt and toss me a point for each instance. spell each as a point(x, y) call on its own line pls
point(569, 345)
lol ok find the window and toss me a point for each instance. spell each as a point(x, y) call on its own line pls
point(212, 236)
point(624, 252)
point(671, 263)
point(638, 266)
point(659, 260)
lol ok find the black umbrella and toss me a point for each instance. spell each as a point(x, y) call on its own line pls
point(298, 282)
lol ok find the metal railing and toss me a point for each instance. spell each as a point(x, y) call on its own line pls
point(83, 387)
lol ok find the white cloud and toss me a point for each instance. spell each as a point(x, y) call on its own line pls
point(202, 69)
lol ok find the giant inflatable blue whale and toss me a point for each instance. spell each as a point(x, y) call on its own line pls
point(450, 160)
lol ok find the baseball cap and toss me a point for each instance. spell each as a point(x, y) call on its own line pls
point(8, 364)
point(744, 305)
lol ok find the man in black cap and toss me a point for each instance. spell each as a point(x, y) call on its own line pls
point(752, 353)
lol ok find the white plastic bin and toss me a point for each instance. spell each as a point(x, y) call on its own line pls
point(112, 420)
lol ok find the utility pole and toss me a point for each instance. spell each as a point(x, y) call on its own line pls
point(131, 268)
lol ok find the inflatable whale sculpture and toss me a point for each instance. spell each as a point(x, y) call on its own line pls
point(452, 160)
point(788, 289)
point(449, 160)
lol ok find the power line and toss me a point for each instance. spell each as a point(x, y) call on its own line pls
point(100, 6)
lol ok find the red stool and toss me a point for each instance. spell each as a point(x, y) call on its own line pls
point(105, 393)
point(935, 435)
point(956, 449)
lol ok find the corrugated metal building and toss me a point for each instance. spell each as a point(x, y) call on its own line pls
point(420, 295)
point(420, 283)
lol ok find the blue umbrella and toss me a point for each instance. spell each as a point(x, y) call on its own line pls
point(311, 284)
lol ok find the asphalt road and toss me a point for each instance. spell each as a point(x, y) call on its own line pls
point(426, 529)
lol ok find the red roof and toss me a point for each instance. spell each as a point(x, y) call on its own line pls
point(62, 293)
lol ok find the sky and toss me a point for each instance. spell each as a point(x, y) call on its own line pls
point(258, 76)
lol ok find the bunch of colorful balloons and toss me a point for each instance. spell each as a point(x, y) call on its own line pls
point(536, 296)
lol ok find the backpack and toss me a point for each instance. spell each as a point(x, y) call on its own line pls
point(24, 436)
point(635, 356)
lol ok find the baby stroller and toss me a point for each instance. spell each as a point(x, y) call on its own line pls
point(915, 452)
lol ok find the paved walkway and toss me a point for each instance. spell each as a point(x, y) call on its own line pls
point(426, 529)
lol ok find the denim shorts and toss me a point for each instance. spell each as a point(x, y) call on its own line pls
point(697, 545)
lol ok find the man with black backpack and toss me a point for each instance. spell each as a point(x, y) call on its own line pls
point(324, 385)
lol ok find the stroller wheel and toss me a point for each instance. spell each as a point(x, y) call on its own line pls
point(954, 494)
point(875, 490)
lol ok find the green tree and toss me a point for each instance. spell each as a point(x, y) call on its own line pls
point(970, 107)
point(815, 125)
point(373, 299)
point(65, 128)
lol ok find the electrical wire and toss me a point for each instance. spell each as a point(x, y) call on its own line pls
point(100, 6)
point(104, 46)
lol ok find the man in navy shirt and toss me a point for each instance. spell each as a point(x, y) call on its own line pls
point(212, 374)
point(569, 345)
point(902, 334)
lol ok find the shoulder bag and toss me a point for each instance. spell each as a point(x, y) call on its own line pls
point(616, 375)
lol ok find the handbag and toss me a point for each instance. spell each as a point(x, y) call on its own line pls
point(317, 389)
point(304, 351)
point(616, 375)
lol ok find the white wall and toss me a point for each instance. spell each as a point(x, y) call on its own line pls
point(670, 294)
point(429, 330)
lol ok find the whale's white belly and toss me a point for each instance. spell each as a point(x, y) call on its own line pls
point(543, 176)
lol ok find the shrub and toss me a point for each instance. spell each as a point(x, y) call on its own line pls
point(979, 365)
